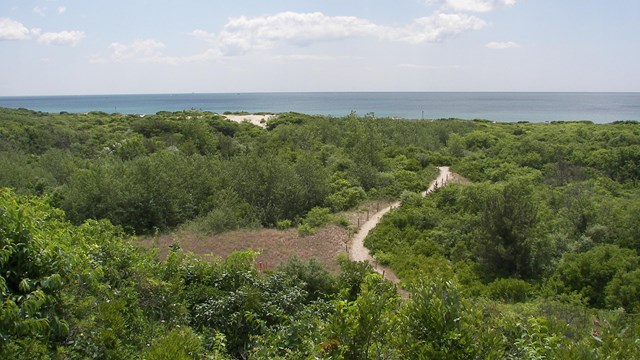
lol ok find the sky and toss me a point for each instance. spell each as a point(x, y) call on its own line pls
point(80, 47)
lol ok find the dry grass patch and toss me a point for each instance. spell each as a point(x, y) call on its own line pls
point(274, 246)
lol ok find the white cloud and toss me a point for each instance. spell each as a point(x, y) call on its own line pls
point(301, 29)
point(150, 51)
point(497, 45)
point(434, 28)
point(62, 9)
point(139, 49)
point(12, 30)
point(63, 38)
point(264, 32)
point(471, 5)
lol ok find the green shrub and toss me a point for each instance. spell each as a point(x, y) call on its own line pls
point(283, 224)
point(318, 217)
point(590, 272)
point(624, 291)
point(178, 344)
point(383, 258)
point(345, 198)
point(305, 230)
point(342, 221)
point(437, 321)
point(510, 290)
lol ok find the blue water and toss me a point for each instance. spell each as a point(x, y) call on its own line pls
point(534, 107)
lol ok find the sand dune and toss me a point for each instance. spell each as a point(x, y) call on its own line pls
point(260, 120)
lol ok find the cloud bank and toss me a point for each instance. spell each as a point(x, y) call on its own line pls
point(151, 51)
point(62, 38)
point(471, 5)
point(243, 34)
point(15, 30)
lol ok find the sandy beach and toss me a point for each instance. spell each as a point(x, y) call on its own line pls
point(255, 119)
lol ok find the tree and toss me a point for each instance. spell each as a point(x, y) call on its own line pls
point(508, 216)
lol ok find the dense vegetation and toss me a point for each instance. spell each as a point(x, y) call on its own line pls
point(157, 172)
point(538, 258)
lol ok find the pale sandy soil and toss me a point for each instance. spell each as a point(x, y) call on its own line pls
point(260, 120)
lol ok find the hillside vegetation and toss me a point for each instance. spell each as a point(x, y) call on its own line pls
point(537, 258)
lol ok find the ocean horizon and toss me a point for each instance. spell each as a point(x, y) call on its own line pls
point(598, 107)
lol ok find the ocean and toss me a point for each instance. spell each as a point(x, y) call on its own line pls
point(503, 106)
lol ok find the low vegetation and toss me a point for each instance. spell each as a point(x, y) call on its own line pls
point(537, 258)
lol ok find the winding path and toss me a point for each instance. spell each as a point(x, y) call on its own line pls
point(357, 251)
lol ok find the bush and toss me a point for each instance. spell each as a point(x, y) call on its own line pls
point(318, 282)
point(305, 230)
point(624, 291)
point(510, 290)
point(346, 198)
point(342, 221)
point(283, 224)
point(179, 344)
point(384, 258)
point(437, 317)
point(318, 217)
point(590, 272)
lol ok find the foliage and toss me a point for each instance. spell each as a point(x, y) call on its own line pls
point(510, 290)
point(538, 258)
point(283, 224)
point(590, 273)
point(316, 218)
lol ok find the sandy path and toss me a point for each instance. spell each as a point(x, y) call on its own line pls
point(357, 251)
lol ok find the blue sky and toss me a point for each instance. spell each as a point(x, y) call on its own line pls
point(56, 47)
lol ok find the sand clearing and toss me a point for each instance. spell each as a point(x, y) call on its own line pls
point(260, 120)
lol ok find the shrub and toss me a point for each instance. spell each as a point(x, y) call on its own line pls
point(342, 221)
point(305, 229)
point(510, 290)
point(283, 224)
point(181, 343)
point(345, 198)
point(318, 217)
point(624, 291)
point(384, 258)
point(590, 272)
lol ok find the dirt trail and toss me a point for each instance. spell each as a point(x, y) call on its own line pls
point(357, 251)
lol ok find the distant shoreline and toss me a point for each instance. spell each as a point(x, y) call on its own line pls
point(495, 106)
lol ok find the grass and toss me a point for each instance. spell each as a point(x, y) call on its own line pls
point(275, 246)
